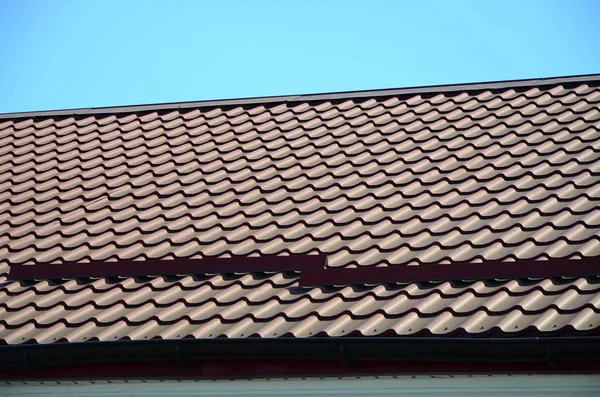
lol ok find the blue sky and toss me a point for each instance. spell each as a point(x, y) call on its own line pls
point(68, 54)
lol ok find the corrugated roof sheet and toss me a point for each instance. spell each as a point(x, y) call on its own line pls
point(497, 174)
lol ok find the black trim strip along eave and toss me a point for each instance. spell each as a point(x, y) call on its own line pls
point(425, 90)
point(419, 349)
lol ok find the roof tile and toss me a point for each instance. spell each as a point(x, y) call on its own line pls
point(499, 174)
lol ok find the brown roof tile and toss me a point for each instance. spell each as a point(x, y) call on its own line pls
point(374, 179)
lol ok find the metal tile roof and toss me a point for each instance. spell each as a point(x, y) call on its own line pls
point(399, 178)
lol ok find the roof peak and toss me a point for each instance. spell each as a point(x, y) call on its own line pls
point(429, 89)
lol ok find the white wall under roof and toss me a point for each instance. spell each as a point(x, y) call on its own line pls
point(421, 386)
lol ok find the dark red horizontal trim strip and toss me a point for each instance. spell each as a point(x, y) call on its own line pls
point(128, 268)
point(452, 272)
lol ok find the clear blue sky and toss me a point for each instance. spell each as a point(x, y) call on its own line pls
point(67, 54)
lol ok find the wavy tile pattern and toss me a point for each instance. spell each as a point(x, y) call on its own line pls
point(496, 174)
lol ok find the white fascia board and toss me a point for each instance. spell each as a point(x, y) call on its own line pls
point(418, 386)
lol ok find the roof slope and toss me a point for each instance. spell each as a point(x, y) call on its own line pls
point(377, 180)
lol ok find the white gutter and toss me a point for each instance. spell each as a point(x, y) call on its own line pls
point(421, 386)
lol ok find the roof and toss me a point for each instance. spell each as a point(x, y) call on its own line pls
point(474, 173)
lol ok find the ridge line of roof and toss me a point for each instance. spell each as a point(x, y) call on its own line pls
point(429, 89)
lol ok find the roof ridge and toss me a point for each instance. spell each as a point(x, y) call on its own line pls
point(428, 89)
